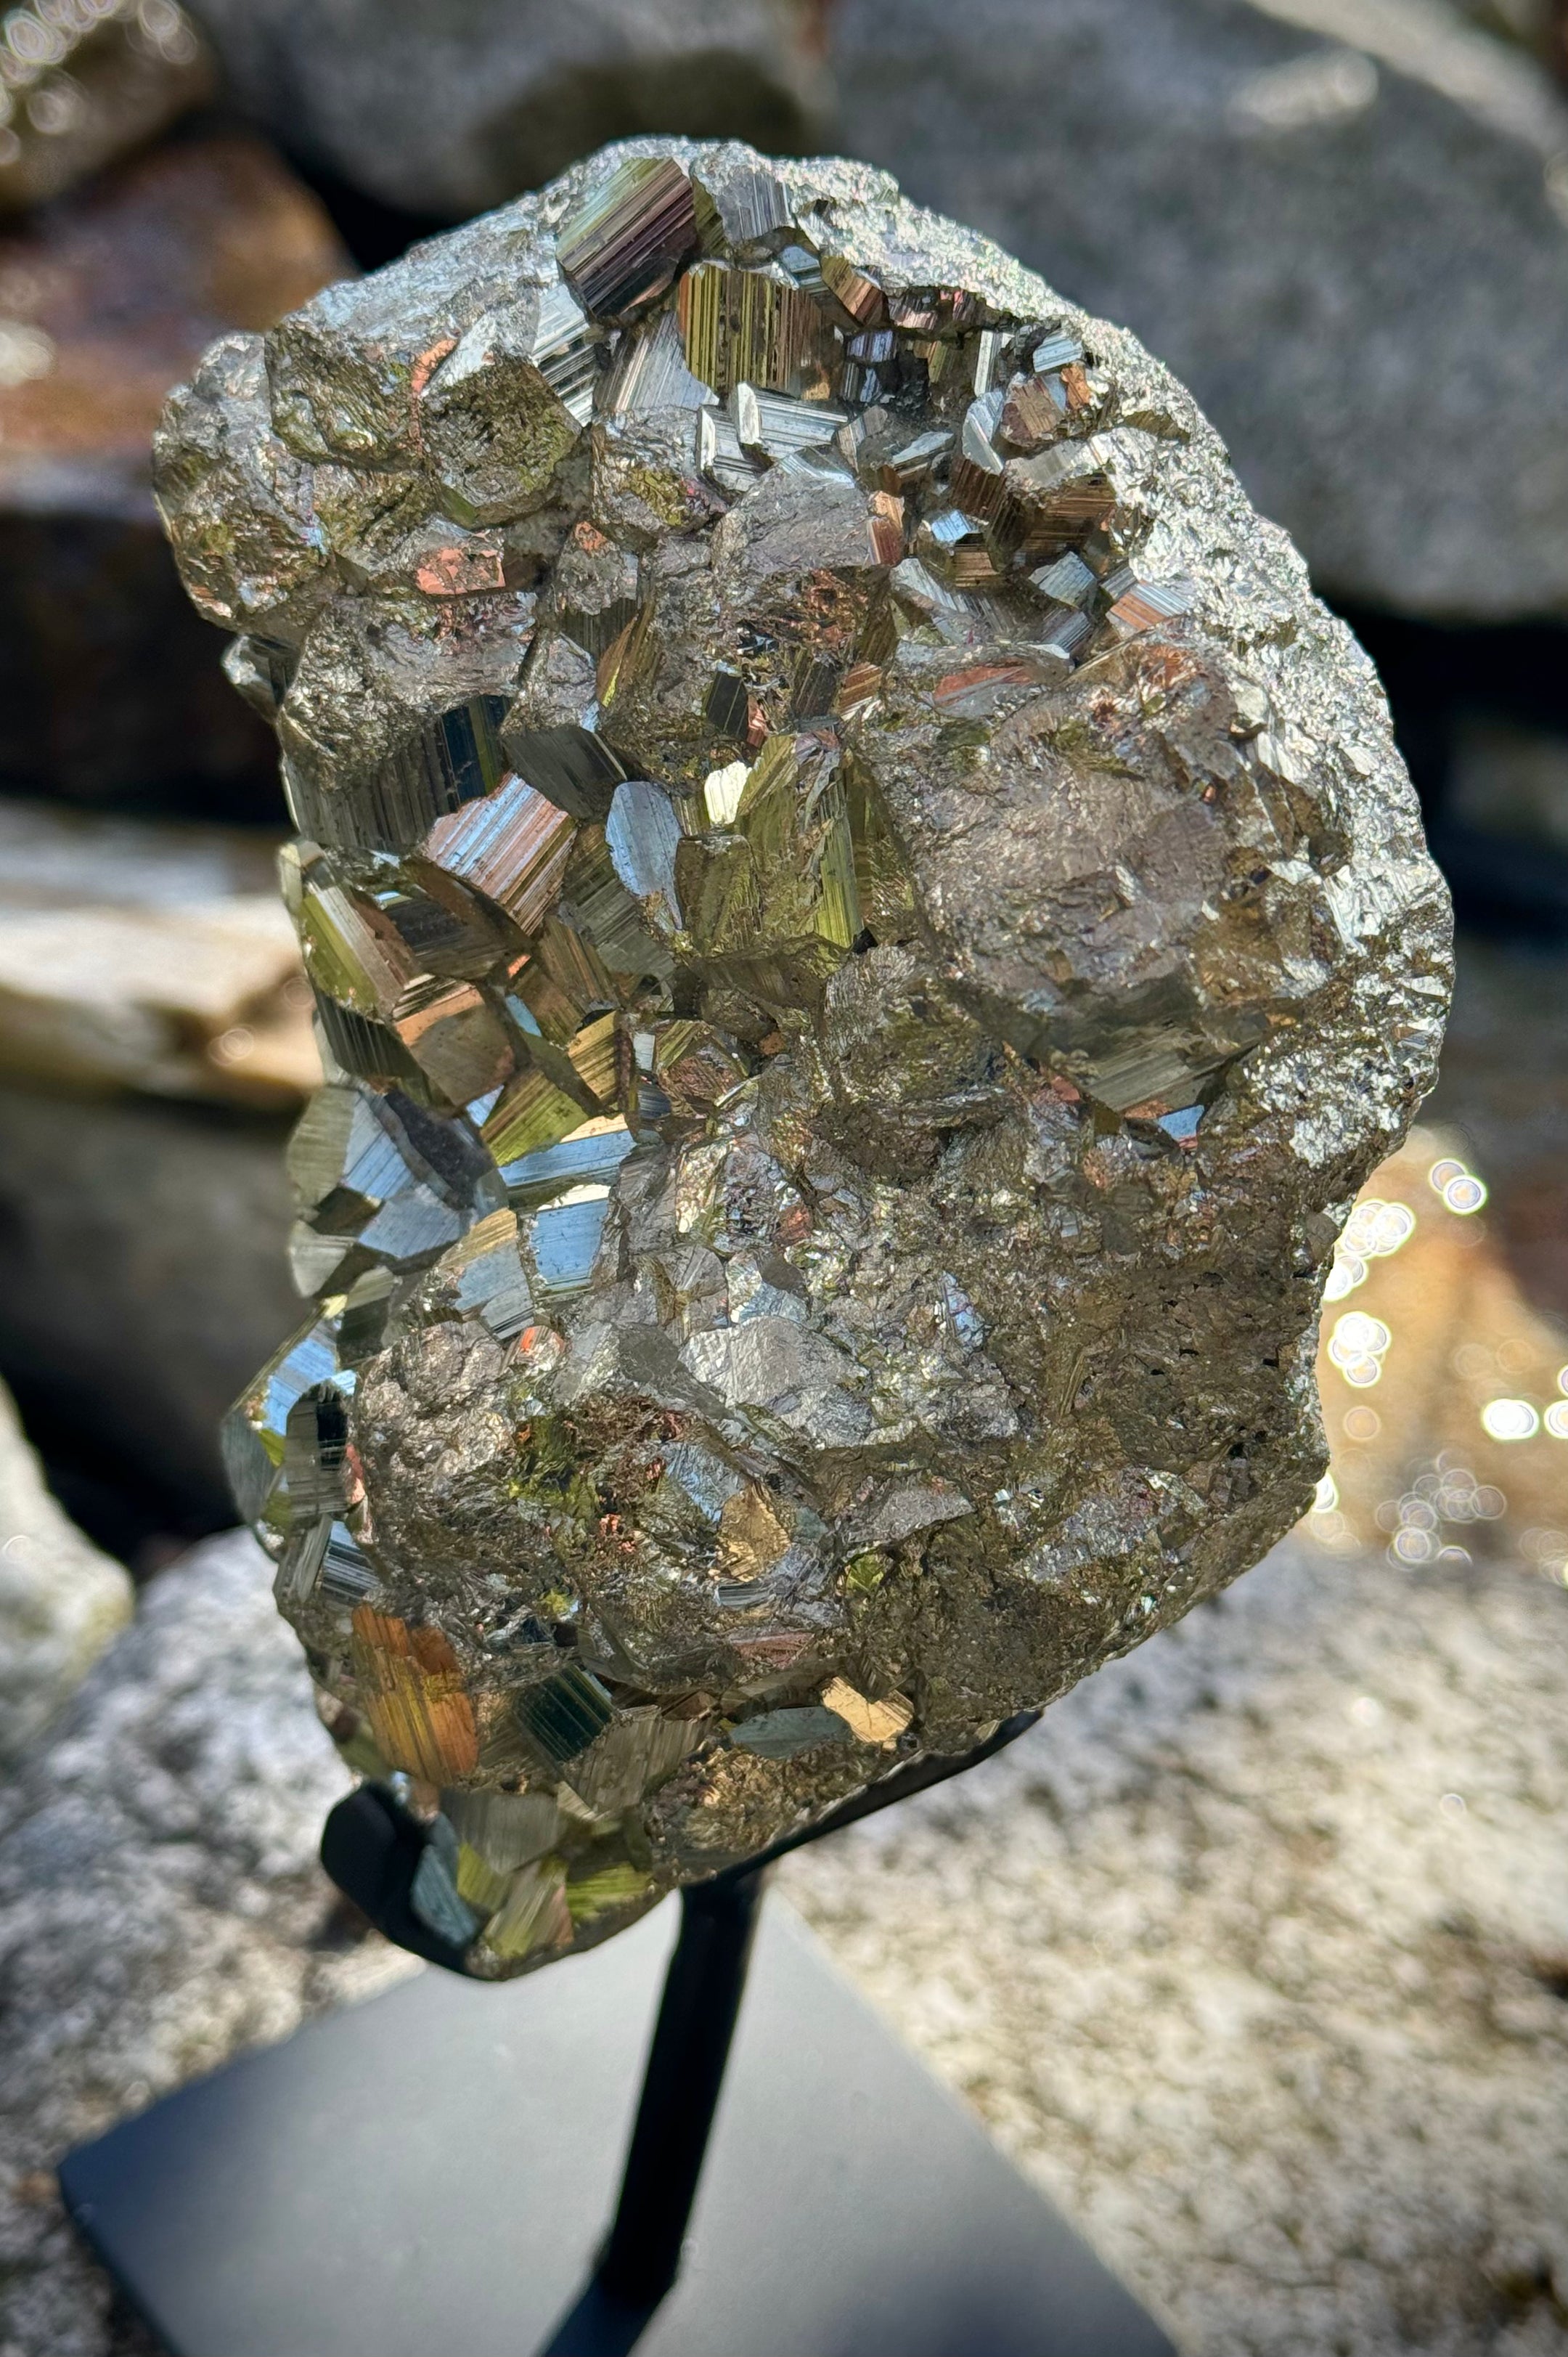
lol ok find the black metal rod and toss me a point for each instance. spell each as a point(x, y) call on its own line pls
point(680, 2087)
point(695, 2029)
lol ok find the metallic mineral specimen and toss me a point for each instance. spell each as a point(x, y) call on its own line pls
point(867, 929)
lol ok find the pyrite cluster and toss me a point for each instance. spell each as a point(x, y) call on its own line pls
point(867, 929)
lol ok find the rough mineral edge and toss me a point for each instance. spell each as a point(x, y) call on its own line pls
point(961, 1333)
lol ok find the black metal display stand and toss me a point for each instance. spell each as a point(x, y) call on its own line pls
point(681, 2086)
point(431, 2169)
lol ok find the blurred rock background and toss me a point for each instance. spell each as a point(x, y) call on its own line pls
point(1255, 1951)
point(1344, 223)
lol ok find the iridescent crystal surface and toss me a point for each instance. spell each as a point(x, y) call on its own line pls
point(867, 929)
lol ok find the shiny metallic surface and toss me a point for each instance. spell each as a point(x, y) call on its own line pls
point(867, 929)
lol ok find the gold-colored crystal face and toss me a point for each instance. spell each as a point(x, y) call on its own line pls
point(865, 928)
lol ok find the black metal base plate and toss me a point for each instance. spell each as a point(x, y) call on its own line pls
point(435, 2169)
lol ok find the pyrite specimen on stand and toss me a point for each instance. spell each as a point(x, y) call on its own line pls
point(866, 929)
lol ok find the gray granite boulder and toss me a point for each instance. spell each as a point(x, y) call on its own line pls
point(160, 1903)
point(60, 1600)
point(1339, 221)
point(1254, 1953)
point(447, 111)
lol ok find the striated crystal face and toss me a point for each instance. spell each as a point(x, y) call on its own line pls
point(866, 929)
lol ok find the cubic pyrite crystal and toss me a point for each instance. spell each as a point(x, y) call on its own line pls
point(867, 929)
